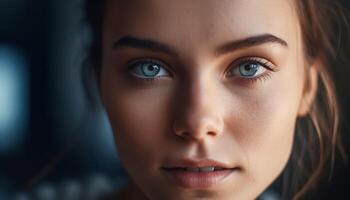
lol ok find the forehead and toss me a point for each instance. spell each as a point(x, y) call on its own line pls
point(195, 21)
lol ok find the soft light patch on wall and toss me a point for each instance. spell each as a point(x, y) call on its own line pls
point(14, 86)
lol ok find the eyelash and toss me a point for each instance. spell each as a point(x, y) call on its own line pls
point(133, 64)
point(252, 60)
point(270, 68)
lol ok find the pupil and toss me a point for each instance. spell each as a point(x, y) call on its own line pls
point(249, 67)
point(151, 67)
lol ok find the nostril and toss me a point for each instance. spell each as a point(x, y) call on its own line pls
point(193, 136)
point(212, 133)
point(197, 131)
point(184, 134)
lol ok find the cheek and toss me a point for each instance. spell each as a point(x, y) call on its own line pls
point(139, 120)
point(266, 130)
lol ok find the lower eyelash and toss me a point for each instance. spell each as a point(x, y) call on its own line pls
point(147, 80)
point(263, 77)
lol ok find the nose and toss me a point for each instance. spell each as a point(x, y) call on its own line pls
point(199, 112)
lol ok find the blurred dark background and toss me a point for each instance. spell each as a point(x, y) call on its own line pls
point(49, 136)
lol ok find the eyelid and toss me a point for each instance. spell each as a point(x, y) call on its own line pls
point(133, 63)
point(262, 61)
point(268, 65)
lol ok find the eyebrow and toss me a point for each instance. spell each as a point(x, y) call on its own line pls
point(147, 44)
point(251, 41)
point(152, 45)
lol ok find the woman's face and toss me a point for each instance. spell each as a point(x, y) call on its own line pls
point(192, 86)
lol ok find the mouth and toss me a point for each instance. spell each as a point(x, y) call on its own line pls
point(197, 169)
point(200, 174)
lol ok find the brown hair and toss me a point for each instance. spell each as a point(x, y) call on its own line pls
point(316, 137)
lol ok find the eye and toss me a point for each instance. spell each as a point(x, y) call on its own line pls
point(148, 69)
point(251, 68)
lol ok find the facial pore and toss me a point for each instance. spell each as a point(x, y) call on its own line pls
point(202, 79)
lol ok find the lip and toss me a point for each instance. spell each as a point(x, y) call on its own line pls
point(176, 173)
point(196, 163)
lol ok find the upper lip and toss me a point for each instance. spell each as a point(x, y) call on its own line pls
point(196, 163)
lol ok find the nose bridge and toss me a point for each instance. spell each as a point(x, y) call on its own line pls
point(198, 109)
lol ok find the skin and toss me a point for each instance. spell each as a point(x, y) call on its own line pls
point(199, 110)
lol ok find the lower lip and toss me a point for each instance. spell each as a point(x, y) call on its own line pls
point(198, 180)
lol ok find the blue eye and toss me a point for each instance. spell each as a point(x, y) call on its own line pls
point(148, 70)
point(249, 69)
